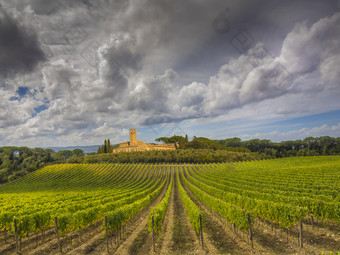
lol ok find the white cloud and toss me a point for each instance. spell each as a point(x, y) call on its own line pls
point(324, 130)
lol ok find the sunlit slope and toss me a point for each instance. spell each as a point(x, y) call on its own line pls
point(74, 177)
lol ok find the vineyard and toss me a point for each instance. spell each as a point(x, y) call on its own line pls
point(277, 206)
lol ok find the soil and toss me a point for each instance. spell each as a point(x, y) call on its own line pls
point(183, 238)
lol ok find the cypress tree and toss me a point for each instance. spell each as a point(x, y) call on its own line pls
point(109, 147)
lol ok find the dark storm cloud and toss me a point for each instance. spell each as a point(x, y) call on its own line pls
point(121, 61)
point(20, 51)
point(148, 62)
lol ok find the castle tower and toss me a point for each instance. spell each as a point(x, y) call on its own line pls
point(133, 137)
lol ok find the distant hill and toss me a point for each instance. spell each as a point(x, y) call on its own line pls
point(86, 149)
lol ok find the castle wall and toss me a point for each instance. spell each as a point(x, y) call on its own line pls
point(135, 145)
point(133, 137)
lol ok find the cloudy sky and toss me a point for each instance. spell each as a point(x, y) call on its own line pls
point(77, 72)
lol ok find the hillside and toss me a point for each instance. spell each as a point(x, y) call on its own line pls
point(266, 200)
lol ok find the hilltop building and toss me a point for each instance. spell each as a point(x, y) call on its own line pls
point(134, 145)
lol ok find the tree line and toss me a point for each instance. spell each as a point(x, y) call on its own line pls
point(16, 162)
point(170, 156)
point(310, 146)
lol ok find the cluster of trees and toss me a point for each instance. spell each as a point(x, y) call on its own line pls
point(16, 162)
point(106, 147)
point(176, 156)
point(199, 143)
point(310, 146)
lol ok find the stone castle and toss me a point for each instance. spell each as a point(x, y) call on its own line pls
point(135, 145)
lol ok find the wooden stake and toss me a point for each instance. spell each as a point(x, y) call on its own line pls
point(201, 230)
point(301, 241)
point(106, 236)
point(153, 234)
point(312, 220)
point(250, 231)
point(37, 238)
point(5, 235)
point(58, 236)
point(16, 236)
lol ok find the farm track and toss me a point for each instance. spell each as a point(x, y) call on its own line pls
point(183, 238)
point(166, 235)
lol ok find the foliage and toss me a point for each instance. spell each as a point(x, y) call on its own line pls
point(78, 195)
point(174, 139)
point(192, 209)
point(310, 146)
point(158, 212)
point(281, 191)
point(106, 147)
point(16, 162)
point(176, 156)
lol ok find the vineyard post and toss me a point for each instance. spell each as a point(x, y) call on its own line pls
point(37, 234)
point(58, 236)
point(250, 231)
point(153, 233)
point(312, 219)
point(201, 230)
point(301, 242)
point(16, 235)
point(107, 238)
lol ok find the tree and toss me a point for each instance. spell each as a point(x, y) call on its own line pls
point(232, 142)
point(109, 146)
point(105, 146)
point(64, 154)
point(163, 140)
point(78, 153)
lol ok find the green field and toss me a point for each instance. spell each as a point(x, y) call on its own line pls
point(278, 192)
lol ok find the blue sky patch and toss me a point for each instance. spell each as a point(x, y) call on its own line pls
point(39, 109)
